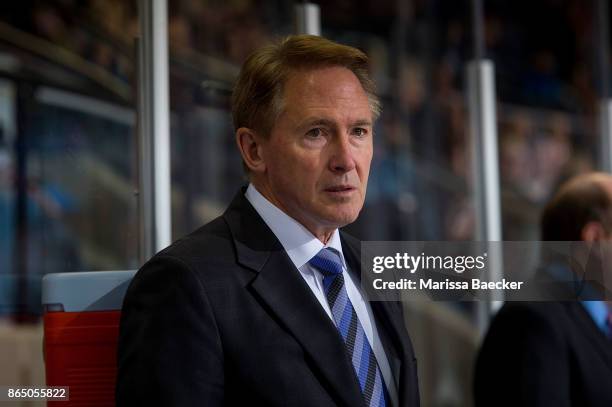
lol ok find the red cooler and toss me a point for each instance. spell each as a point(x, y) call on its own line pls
point(81, 327)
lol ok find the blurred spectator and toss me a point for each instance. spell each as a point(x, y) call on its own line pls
point(556, 353)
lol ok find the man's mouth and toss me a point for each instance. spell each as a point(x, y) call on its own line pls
point(339, 189)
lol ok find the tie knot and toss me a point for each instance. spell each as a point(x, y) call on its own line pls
point(328, 262)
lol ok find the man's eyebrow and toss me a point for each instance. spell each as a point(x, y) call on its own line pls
point(331, 123)
point(318, 121)
point(361, 123)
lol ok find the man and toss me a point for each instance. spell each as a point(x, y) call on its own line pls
point(263, 306)
point(555, 353)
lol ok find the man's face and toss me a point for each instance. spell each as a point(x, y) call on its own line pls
point(317, 158)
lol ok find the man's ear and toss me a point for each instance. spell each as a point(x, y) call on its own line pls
point(592, 232)
point(250, 147)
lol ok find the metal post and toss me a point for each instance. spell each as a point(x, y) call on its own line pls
point(154, 128)
point(307, 19)
point(478, 29)
point(605, 134)
point(21, 248)
point(605, 104)
point(483, 124)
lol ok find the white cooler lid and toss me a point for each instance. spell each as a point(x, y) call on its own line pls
point(85, 291)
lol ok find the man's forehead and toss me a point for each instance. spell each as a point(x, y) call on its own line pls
point(318, 78)
point(325, 88)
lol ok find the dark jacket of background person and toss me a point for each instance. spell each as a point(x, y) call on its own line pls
point(231, 322)
point(552, 353)
point(544, 354)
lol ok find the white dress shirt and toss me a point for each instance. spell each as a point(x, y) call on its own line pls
point(301, 246)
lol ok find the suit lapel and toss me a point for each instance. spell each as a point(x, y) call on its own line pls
point(280, 287)
point(285, 292)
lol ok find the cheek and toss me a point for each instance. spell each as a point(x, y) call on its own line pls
point(294, 170)
point(364, 161)
point(303, 166)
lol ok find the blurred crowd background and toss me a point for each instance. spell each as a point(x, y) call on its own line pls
point(68, 91)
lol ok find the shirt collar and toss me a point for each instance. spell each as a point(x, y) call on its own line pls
point(298, 242)
point(598, 310)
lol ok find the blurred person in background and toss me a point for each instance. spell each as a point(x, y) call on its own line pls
point(555, 353)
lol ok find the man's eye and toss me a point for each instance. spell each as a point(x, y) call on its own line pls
point(360, 132)
point(315, 133)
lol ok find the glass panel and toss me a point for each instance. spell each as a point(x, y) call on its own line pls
point(67, 159)
point(208, 43)
point(547, 102)
point(67, 149)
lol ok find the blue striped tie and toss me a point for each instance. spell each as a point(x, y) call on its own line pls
point(328, 262)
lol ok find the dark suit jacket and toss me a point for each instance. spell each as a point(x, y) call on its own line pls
point(544, 354)
point(223, 317)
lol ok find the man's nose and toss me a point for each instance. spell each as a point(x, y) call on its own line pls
point(342, 159)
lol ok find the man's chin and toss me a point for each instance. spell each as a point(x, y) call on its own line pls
point(339, 219)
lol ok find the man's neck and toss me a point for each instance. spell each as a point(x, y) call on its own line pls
point(323, 234)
